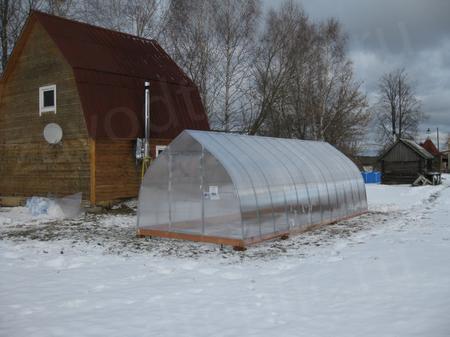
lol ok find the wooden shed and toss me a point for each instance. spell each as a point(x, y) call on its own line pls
point(403, 161)
point(89, 82)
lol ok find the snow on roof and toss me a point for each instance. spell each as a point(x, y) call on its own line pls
point(417, 148)
point(410, 144)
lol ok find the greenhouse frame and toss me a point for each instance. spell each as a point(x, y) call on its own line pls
point(239, 190)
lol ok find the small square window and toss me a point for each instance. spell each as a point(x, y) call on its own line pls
point(159, 149)
point(47, 99)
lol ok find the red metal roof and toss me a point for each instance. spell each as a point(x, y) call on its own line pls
point(110, 69)
point(430, 147)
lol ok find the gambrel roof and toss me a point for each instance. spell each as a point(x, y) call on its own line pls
point(110, 69)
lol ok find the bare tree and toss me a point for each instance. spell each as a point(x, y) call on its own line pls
point(62, 8)
point(143, 18)
point(235, 23)
point(398, 110)
point(339, 114)
point(189, 39)
point(105, 13)
point(147, 17)
point(5, 14)
point(13, 14)
point(273, 69)
point(305, 86)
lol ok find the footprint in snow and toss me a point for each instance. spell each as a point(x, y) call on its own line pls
point(164, 271)
point(232, 276)
point(156, 298)
point(208, 271)
point(55, 263)
point(190, 266)
point(10, 255)
point(73, 303)
point(100, 287)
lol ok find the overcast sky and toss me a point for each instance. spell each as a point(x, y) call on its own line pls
point(385, 34)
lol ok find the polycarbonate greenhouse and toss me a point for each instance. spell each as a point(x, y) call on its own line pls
point(238, 190)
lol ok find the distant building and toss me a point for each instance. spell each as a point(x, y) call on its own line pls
point(446, 158)
point(448, 155)
point(404, 161)
point(367, 163)
point(440, 160)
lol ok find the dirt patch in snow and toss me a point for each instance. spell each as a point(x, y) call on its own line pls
point(115, 231)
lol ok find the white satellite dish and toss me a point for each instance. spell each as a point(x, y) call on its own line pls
point(53, 133)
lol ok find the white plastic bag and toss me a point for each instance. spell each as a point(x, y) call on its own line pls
point(60, 208)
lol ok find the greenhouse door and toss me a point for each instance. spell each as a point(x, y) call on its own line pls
point(185, 192)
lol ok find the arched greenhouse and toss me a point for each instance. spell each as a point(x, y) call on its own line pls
point(238, 190)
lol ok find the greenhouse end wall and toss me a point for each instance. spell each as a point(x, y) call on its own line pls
point(236, 189)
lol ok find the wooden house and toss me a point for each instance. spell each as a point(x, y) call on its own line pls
point(403, 162)
point(88, 83)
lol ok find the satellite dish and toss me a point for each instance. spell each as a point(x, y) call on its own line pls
point(53, 133)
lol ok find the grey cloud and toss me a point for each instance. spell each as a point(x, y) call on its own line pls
point(386, 34)
point(393, 26)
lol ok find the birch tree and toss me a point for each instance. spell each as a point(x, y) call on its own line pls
point(143, 18)
point(273, 69)
point(189, 39)
point(339, 114)
point(13, 14)
point(305, 86)
point(64, 8)
point(235, 24)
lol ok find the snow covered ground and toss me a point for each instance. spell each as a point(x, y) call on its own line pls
point(386, 273)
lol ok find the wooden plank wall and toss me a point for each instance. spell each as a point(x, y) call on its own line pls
point(116, 172)
point(401, 165)
point(401, 152)
point(401, 172)
point(29, 165)
point(117, 175)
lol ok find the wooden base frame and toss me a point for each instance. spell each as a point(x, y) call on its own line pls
point(237, 244)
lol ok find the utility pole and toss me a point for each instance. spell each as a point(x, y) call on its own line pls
point(399, 107)
point(437, 135)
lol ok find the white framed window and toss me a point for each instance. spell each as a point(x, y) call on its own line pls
point(47, 99)
point(159, 149)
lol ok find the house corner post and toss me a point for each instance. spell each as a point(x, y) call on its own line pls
point(92, 164)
